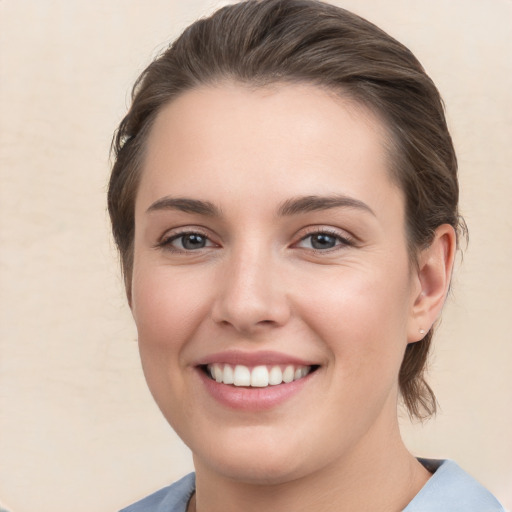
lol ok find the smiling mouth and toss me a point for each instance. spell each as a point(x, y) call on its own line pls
point(261, 376)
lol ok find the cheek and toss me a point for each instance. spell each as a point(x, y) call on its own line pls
point(362, 317)
point(167, 308)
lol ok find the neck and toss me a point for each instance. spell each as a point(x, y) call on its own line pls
point(381, 476)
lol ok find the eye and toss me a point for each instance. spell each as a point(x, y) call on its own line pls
point(189, 241)
point(322, 241)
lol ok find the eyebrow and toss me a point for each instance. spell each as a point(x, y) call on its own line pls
point(306, 204)
point(294, 206)
point(186, 205)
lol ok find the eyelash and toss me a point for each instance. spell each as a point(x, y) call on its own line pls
point(341, 241)
point(166, 241)
point(344, 241)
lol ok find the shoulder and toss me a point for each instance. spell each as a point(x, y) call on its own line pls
point(451, 489)
point(175, 497)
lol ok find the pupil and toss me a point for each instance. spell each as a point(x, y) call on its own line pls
point(193, 241)
point(323, 241)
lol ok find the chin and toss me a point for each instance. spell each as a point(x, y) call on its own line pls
point(266, 469)
point(255, 457)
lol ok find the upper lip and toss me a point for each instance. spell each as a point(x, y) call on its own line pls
point(235, 357)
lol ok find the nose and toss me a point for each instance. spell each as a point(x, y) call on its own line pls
point(251, 295)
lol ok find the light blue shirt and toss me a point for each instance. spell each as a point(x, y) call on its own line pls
point(449, 489)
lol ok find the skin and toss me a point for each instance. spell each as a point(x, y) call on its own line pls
point(258, 284)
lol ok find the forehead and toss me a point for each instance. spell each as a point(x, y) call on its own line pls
point(297, 138)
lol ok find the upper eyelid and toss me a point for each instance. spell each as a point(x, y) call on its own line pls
point(184, 230)
point(176, 236)
point(305, 232)
point(166, 242)
point(337, 232)
point(342, 240)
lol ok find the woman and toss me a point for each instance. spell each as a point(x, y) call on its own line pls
point(284, 198)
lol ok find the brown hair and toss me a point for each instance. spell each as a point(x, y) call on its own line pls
point(270, 41)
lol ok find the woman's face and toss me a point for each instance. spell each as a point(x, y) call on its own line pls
point(270, 245)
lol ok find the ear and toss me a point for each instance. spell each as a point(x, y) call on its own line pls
point(432, 281)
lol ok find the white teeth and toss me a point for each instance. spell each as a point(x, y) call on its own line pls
point(275, 376)
point(288, 374)
point(302, 373)
point(259, 376)
point(217, 373)
point(229, 377)
point(242, 376)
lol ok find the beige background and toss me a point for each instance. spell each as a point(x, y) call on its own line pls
point(78, 429)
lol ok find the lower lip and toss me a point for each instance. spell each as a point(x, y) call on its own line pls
point(252, 399)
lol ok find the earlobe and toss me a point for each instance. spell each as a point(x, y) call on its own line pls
point(433, 274)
